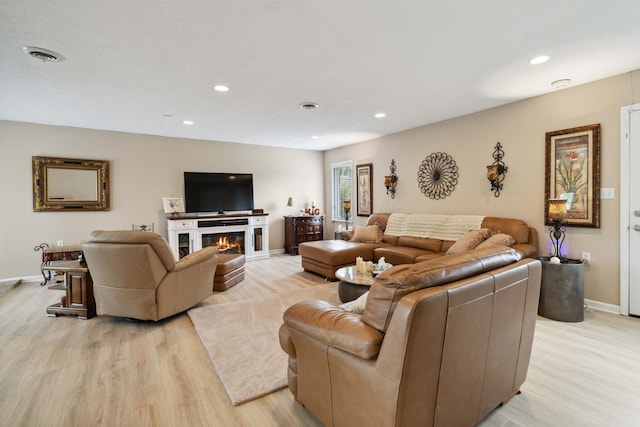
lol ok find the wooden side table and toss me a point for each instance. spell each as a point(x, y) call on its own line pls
point(56, 253)
point(562, 291)
point(78, 300)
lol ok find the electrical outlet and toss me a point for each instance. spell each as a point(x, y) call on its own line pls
point(586, 257)
point(60, 243)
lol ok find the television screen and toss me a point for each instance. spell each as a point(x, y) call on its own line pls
point(218, 192)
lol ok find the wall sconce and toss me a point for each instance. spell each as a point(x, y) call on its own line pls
point(497, 170)
point(346, 205)
point(557, 215)
point(290, 203)
point(390, 181)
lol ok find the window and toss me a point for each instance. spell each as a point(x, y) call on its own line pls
point(341, 186)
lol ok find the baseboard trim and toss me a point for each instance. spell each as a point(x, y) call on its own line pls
point(602, 306)
point(23, 279)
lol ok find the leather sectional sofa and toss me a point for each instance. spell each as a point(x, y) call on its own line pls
point(326, 256)
point(441, 343)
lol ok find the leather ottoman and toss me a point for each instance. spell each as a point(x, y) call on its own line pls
point(229, 271)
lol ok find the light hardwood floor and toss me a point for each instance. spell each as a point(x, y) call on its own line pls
point(111, 372)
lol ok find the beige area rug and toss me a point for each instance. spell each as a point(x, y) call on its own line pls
point(241, 338)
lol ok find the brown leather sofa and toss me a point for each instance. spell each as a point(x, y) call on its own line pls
point(326, 256)
point(441, 343)
point(135, 275)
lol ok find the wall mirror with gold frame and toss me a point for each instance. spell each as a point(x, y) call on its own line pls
point(61, 184)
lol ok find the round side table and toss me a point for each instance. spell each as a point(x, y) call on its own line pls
point(352, 284)
point(562, 290)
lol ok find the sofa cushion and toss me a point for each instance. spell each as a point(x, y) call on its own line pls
point(420, 242)
point(498, 239)
point(367, 234)
point(379, 219)
point(392, 240)
point(357, 305)
point(469, 241)
point(399, 254)
point(391, 285)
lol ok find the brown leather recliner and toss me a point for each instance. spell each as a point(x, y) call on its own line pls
point(135, 275)
point(440, 343)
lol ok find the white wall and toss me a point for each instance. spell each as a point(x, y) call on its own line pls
point(520, 128)
point(143, 169)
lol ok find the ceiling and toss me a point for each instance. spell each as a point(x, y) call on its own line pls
point(145, 66)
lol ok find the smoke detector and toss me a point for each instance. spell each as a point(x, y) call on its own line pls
point(44, 55)
point(308, 105)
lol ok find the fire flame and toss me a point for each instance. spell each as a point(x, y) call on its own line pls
point(224, 245)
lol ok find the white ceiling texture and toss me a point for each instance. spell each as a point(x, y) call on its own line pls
point(144, 66)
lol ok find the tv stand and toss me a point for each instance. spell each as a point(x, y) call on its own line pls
point(189, 233)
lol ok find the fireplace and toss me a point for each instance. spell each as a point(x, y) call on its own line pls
point(228, 242)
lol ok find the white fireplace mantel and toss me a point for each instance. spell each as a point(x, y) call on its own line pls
point(186, 232)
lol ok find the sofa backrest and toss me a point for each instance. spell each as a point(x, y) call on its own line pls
point(516, 228)
point(470, 345)
point(125, 237)
point(391, 285)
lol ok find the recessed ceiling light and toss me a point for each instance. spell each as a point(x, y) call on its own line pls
point(187, 122)
point(308, 105)
point(315, 137)
point(44, 55)
point(379, 115)
point(559, 84)
point(539, 60)
point(221, 88)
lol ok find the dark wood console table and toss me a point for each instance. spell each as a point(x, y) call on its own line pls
point(298, 229)
point(78, 300)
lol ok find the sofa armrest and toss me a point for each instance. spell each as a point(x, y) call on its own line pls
point(334, 327)
point(526, 250)
point(195, 258)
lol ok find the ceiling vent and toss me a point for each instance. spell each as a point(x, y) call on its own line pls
point(308, 105)
point(44, 55)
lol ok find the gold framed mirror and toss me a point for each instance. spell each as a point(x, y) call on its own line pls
point(61, 184)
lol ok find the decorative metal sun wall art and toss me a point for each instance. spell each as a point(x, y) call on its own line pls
point(438, 176)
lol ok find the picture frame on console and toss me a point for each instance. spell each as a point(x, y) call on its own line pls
point(572, 172)
point(364, 188)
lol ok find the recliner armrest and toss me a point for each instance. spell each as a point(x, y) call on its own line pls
point(195, 258)
point(335, 327)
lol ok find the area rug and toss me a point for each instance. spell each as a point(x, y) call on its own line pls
point(241, 339)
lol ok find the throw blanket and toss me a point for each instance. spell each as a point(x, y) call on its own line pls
point(434, 226)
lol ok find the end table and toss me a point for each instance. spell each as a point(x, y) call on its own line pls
point(562, 290)
point(78, 300)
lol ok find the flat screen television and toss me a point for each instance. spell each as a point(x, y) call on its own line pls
point(210, 192)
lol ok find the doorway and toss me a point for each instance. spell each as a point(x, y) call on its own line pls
point(630, 210)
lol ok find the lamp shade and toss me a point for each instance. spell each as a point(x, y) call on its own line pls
point(347, 205)
point(557, 209)
point(493, 172)
point(290, 202)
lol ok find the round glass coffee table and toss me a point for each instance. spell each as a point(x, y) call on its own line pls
point(352, 284)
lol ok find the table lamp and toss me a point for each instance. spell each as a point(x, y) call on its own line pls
point(290, 203)
point(557, 215)
point(346, 205)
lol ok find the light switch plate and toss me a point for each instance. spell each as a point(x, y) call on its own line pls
point(607, 193)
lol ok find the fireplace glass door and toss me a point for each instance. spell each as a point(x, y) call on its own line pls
point(229, 242)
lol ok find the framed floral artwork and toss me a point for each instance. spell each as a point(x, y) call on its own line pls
point(573, 173)
point(365, 189)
